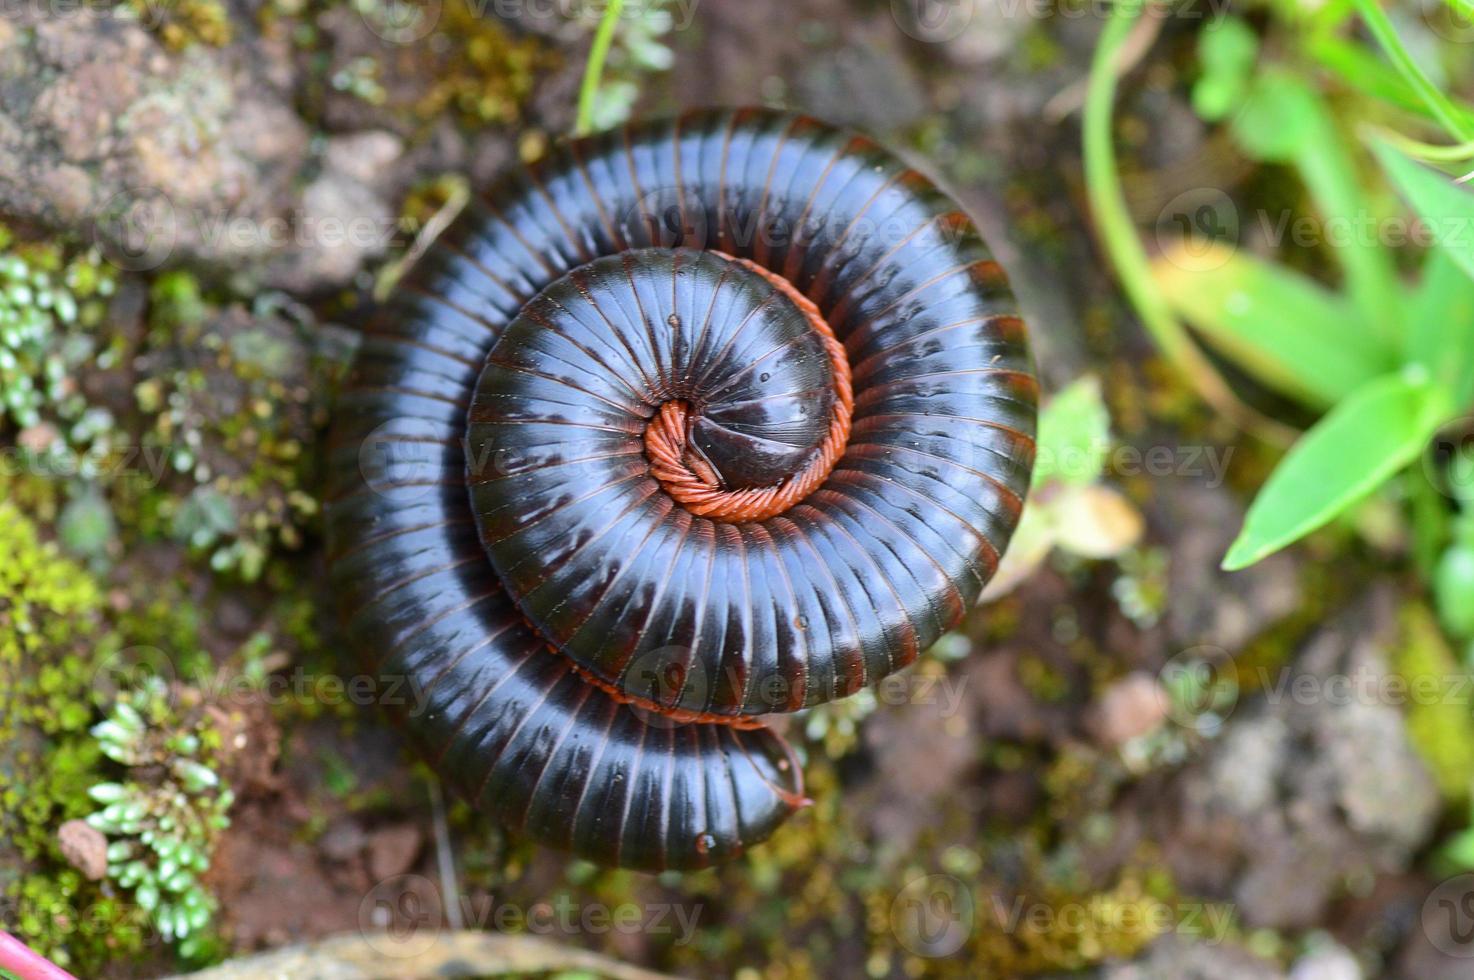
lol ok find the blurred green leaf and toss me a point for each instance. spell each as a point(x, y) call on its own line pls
point(1453, 590)
point(1227, 50)
point(1359, 444)
point(1441, 325)
point(86, 526)
point(1074, 435)
point(1460, 850)
point(1366, 72)
point(1289, 331)
point(1445, 207)
point(1284, 120)
point(1449, 115)
point(1280, 116)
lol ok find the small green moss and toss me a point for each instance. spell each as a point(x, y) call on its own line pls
point(483, 74)
point(230, 399)
point(183, 23)
point(1438, 723)
point(1057, 929)
point(54, 646)
point(69, 920)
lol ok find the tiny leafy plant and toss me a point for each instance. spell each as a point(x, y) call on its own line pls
point(162, 821)
point(1385, 359)
point(1071, 507)
point(53, 301)
point(630, 42)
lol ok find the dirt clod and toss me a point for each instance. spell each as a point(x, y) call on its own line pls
point(84, 847)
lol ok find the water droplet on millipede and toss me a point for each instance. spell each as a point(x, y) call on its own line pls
point(763, 377)
point(704, 843)
point(802, 622)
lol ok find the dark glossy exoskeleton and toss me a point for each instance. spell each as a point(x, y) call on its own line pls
point(590, 651)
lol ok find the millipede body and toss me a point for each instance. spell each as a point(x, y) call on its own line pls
point(689, 423)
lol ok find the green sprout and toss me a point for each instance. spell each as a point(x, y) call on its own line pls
point(630, 44)
point(162, 824)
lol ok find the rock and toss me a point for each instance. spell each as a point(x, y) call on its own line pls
point(1133, 706)
point(1176, 958)
point(922, 751)
point(868, 83)
point(1314, 783)
point(345, 218)
point(344, 840)
point(977, 33)
point(38, 438)
point(158, 154)
point(1096, 521)
point(1330, 963)
point(84, 847)
point(196, 155)
point(1211, 607)
point(393, 850)
point(364, 157)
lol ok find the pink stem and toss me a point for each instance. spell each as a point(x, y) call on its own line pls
point(26, 963)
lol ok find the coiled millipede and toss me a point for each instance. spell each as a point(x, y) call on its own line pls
point(690, 422)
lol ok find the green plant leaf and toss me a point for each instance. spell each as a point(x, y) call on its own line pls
point(1227, 50)
point(1441, 325)
point(1453, 591)
point(1363, 70)
point(1460, 849)
point(1439, 104)
point(1445, 207)
point(1284, 120)
point(1292, 333)
point(1357, 446)
point(1074, 435)
point(1279, 117)
point(108, 792)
